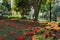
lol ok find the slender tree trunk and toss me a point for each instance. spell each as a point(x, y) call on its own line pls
point(50, 12)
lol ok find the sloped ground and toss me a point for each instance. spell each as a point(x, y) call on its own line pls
point(24, 30)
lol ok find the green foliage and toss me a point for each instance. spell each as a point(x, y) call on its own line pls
point(15, 15)
point(24, 6)
point(2, 7)
point(59, 24)
point(46, 5)
point(21, 4)
point(6, 4)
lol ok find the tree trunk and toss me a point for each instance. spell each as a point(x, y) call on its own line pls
point(36, 12)
point(50, 12)
point(36, 6)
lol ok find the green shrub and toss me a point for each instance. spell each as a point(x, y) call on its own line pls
point(59, 24)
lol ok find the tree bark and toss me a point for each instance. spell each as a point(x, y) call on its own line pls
point(36, 6)
point(36, 12)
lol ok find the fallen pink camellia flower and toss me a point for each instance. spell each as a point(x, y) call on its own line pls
point(31, 33)
point(1, 38)
point(27, 26)
point(19, 38)
point(12, 33)
point(11, 24)
point(46, 35)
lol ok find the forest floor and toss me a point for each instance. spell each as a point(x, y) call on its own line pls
point(10, 29)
